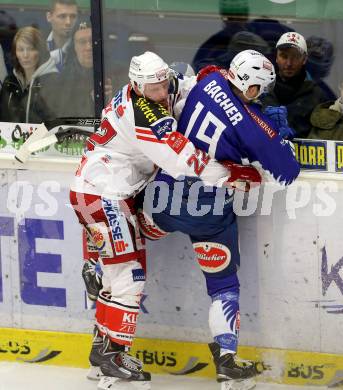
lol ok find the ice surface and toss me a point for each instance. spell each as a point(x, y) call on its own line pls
point(25, 376)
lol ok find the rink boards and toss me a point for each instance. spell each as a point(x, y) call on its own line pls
point(291, 274)
point(173, 357)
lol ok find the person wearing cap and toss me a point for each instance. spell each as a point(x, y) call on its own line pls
point(137, 133)
point(293, 88)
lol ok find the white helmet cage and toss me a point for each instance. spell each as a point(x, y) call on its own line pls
point(249, 67)
point(148, 68)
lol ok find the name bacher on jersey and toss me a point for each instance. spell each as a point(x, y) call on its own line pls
point(216, 92)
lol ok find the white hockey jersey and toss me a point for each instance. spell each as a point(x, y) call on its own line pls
point(132, 140)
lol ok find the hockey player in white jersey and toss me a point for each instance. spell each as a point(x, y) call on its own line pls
point(137, 134)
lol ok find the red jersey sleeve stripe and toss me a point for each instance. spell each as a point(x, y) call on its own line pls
point(151, 139)
point(143, 131)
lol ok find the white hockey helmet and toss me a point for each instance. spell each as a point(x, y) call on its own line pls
point(249, 67)
point(148, 68)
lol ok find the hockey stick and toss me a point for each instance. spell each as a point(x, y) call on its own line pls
point(53, 131)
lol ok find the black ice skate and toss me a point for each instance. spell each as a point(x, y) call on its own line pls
point(232, 373)
point(118, 367)
point(95, 356)
point(92, 279)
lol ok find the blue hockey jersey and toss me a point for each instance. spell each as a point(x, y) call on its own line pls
point(218, 122)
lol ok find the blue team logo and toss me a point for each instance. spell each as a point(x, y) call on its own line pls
point(162, 126)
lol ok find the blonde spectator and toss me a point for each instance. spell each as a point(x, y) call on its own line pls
point(26, 95)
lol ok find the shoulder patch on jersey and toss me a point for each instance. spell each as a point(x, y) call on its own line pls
point(162, 126)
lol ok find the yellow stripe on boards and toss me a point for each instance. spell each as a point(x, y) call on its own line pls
point(172, 357)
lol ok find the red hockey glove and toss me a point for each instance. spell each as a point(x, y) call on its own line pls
point(210, 69)
point(243, 177)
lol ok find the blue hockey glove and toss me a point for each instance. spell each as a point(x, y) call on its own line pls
point(286, 132)
point(278, 115)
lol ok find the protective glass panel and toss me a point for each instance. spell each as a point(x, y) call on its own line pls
point(212, 32)
point(46, 61)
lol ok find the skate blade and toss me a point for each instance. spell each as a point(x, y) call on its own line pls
point(111, 383)
point(94, 373)
point(245, 384)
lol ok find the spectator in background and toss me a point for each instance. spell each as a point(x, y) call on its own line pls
point(293, 88)
point(245, 40)
point(235, 13)
point(327, 120)
point(3, 70)
point(27, 94)
point(319, 62)
point(62, 17)
point(8, 29)
point(77, 76)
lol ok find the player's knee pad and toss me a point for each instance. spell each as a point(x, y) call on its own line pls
point(148, 227)
point(224, 318)
point(124, 280)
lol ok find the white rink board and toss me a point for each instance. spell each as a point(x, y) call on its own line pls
point(282, 300)
point(285, 286)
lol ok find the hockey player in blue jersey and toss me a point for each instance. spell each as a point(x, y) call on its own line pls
point(221, 117)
